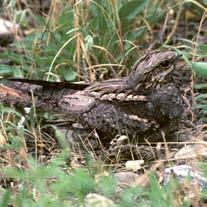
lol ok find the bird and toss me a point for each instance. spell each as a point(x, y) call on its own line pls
point(143, 105)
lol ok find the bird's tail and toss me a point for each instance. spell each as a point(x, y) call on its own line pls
point(23, 92)
point(13, 96)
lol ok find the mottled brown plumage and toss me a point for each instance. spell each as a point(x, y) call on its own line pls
point(144, 104)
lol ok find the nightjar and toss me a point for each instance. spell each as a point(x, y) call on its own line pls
point(144, 105)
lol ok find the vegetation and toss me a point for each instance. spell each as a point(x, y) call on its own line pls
point(88, 41)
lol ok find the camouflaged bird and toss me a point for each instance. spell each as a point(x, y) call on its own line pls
point(145, 104)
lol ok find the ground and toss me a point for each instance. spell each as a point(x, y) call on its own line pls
point(94, 41)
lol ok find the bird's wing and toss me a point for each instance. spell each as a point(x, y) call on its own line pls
point(107, 86)
point(49, 84)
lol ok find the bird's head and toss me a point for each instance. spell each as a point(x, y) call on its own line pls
point(153, 70)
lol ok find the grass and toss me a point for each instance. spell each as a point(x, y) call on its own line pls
point(89, 41)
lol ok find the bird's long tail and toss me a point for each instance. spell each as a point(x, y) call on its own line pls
point(23, 92)
point(13, 96)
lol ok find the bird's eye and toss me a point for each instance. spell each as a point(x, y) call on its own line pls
point(165, 64)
